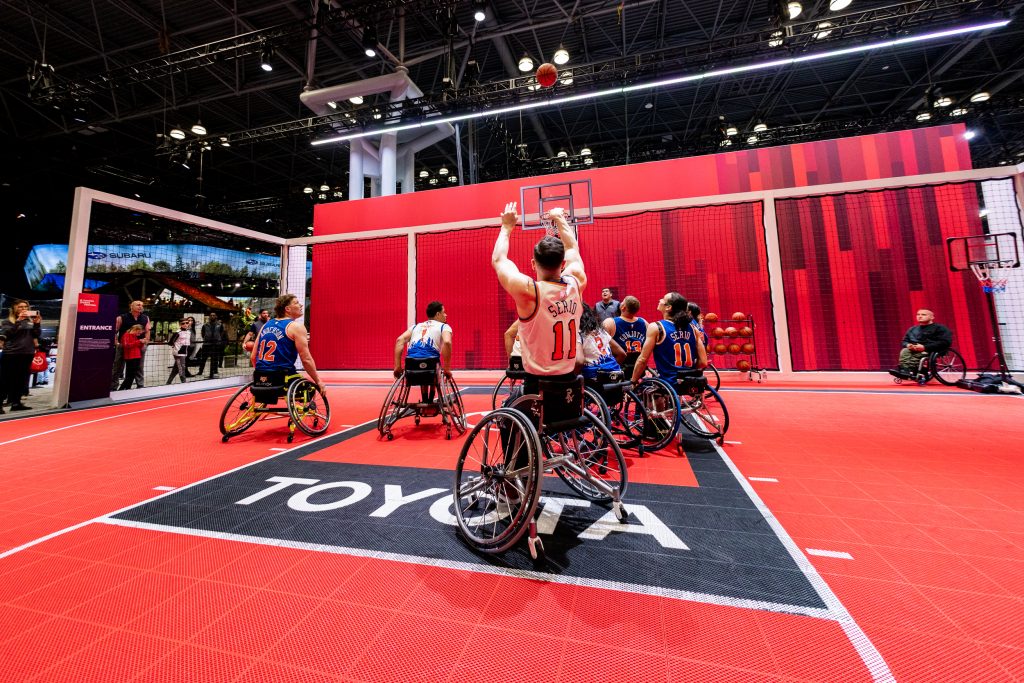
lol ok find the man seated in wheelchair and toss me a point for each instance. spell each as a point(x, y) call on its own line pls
point(281, 341)
point(600, 353)
point(920, 341)
point(429, 342)
point(629, 331)
point(677, 347)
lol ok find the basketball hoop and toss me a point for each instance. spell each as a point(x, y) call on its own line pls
point(984, 273)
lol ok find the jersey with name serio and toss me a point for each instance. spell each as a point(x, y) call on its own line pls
point(676, 351)
point(425, 340)
point(630, 336)
point(551, 334)
point(274, 349)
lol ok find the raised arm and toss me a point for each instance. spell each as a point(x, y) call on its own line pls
point(400, 343)
point(519, 286)
point(573, 260)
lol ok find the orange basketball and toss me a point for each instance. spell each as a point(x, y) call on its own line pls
point(717, 333)
point(734, 348)
point(739, 316)
point(711, 318)
point(746, 332)
point(743, 365)
point(547, 74)
point(748, 348)
point(720, 348)
point(730, 332)
point(248, 346)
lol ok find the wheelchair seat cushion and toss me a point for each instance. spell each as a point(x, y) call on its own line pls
point(691, 385)
point(562, 402)
point(268, 386)
point(421, 372)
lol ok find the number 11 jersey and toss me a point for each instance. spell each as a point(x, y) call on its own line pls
point(549, 337)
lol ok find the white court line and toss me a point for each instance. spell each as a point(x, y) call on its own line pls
point(164, 488)
point(108, 417)
point(861, 643)
point(771, 479)
point(734, 443)
point(829, 553)
point(103, 518)
point(278, 449)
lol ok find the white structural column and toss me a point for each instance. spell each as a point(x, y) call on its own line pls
point(74, 277)
point(355, 172)
point(775, 285)
point(388, 164)
point(410, 298)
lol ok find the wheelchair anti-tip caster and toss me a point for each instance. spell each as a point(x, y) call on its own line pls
point(224, 439)
point(620, 512)
point(390, 436)
point(536, 548)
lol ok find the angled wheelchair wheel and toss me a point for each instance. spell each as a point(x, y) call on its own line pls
point(949, 368)
point(309, 409)
point(591, 455)
point(593, 402)
point(661, 410)
point(711, 375)
point(705, 415)
point(451, 405)
point(497, 481)
point(239, 414)
point(390, 410)
point(628, 421)
point(507, 388)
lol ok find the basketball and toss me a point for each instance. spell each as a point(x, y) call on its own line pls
point(748, 348)
point(739, 316)
point(248, 346)
point(743, 365)
point(720, 348)
point(730, 332)
point(746, 332)
point(711, 318)
point(717, 333)
point(547, 74)
point(734, 348)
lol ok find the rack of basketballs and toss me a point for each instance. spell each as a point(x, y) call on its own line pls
point(735, 338)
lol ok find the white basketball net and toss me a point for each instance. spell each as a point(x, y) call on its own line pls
point(990, 276)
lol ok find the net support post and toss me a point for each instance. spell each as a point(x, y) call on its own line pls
point(410, 284)
point(74, 279)
point(775, 286)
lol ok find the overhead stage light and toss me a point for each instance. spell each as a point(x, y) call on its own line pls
point(970, 134)
point(565, 78)
point(752, 140)
point(308, 189)
point(585, 152)
point(479, 10)
point(525, 63)
point(794, 9)
point(177, 133)
point(266, 54)
point(980, 97)
point(731, 130)
point(775, 39)
point(325, 187)
point(199, 129)
point(782, 62)
point(442, 171)
point(356, 99)
point(561, 56)
point(943, 101)
point(760, 127)
point(959, 111)
point(824, 30)
point(424, 173)
point(923, 116)
point(332, 105)
point(370, 42)
point(838, 5)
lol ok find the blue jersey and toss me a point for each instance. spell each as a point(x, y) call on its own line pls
point(630, 336)
point(676, 351)
point(425, 339)
point(274, 350)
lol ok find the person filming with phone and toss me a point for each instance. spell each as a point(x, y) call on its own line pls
point(18, 332)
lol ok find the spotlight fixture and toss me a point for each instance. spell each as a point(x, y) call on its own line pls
point(325, 187)
point(562, 154)
point(588, 160)
point(356, 99)
point(198, 128)
point(726, 143)
point(585, 152)
point(432, 181)
point(959, 111)
point(177, 133)
point(760, 127)
point(525, 63)
point(307, 189)
point(565, 78)
point(377, 115)
point(442, 171)
point(839, 5)
point(479, 10)
point(424, 173)
point(532, 84)
point(337, 194)
point(823, 30)
point(332, 105)
point(452, 179)
point(561, 56)
point(980, 97)
point(775, 39)
point(649, 105)
point(752, 140)
point(731, 130)
point(923, 116)
point(369, 42)
point(224, 142)
point(969, 134)
point(266, 54)
point(794, 9)
point(322, 196)
point(943, 101)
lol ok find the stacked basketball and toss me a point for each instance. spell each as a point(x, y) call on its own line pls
point(730, 338)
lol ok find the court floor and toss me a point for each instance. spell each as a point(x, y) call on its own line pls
point(847, 530)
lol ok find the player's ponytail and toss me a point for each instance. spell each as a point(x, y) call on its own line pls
point(678, 312)
point(588, 321)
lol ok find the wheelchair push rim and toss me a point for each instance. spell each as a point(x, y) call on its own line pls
point(451, 404)
point(706, 415)
point(661, 412)
point(239, 412)
point(309, 409)
point(949, 367)
point(593, 453)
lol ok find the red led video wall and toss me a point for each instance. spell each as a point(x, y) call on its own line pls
point(712, 255)
point(857, 267)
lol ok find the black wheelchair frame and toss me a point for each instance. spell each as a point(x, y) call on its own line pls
point(438, 391)
point(947, 367)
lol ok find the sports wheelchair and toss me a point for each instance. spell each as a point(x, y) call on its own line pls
point(611, 397)
point(439, 395)
point(304, 405)
point(511, 383)
point(501, 468)
point(690, 402)
point(948, 368)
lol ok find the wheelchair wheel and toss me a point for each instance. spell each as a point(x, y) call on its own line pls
point(507, 387)
point(949, 368)
point(308, 408)
point(389, 411)
point(705, 415)
point(711, 375)
point(628, 421)
point(451, 402)
point(497, 481)
point(593, 455)
point(239, 414)
point(593, 402)
point(661, 409)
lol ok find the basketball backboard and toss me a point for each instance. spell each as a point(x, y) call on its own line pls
point(575, 196)
point(998, 250)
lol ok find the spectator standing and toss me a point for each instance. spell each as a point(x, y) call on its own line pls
point(607, 307)
point(131, 349)
point(254, 330)
point(125, 321)
point(181, 341)
point(18, 333)
point(213, 346)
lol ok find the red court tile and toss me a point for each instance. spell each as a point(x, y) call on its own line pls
point(15, 621)
point(585, 663)
point(1007, 574)
point(76, 588)
point(180, 616)
point(991, 619)
point(427, 650)
point(267, 672)
point(531, 606)
point(331, 637)
point(729, 636)
point(118, 657)
point(318, 575)
point(257, 624)
point(1010, 658)
point(130, 600)
point(915, 656)
point(479, 660)
point(892, 605)
point(943, 570)
point(33, 652)
point(191, 663)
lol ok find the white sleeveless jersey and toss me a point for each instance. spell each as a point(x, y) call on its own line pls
point(426, 339)
point(550, 337)
point(517, 346)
